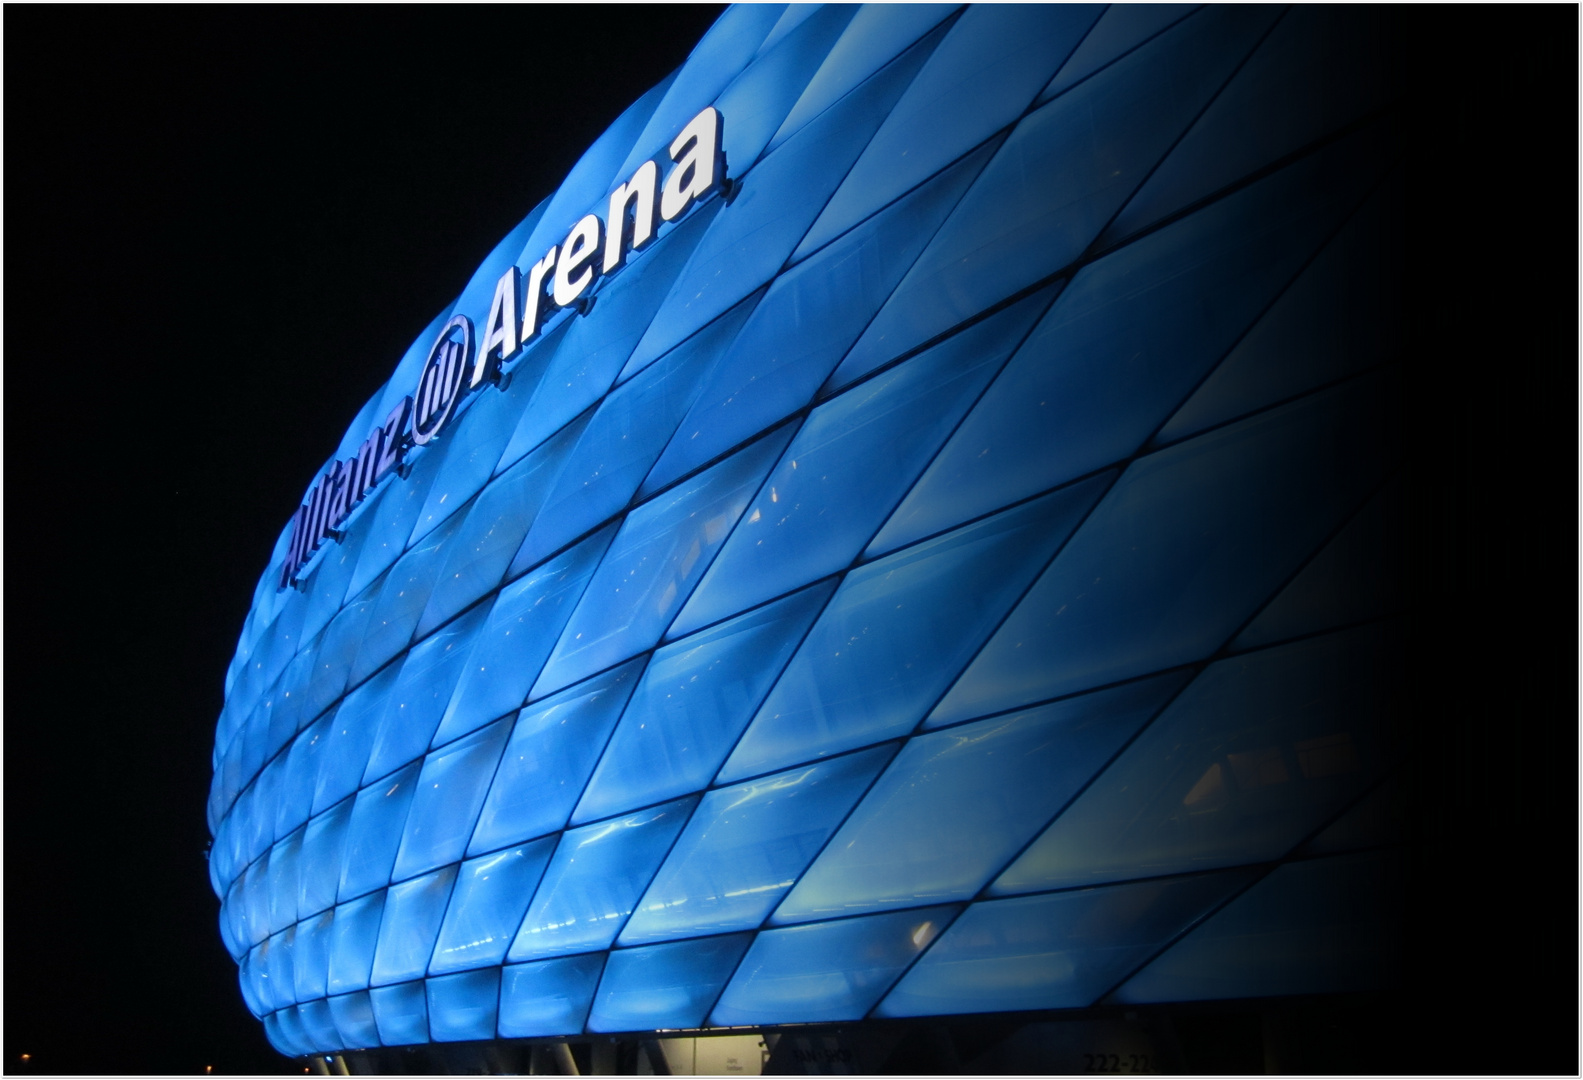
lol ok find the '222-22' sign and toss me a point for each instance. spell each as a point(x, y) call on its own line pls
point(560, 279)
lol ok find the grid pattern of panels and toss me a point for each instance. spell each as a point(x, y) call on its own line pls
point(953, 576)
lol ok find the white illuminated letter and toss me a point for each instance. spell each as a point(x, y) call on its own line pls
point(500, 329)
point(368, 461)
point(533, 298)
point(639, 194)
point(345, 492)
point(582, 244)
point(696, 152)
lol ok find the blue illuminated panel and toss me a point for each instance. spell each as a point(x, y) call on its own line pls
point(933, 556)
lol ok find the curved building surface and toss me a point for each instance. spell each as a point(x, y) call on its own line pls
point(921, 548)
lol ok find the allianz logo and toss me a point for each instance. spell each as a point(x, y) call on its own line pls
point(518, 311)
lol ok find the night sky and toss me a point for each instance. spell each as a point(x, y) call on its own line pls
point(224, 226)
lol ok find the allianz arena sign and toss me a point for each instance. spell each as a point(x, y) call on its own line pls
point(559, 279)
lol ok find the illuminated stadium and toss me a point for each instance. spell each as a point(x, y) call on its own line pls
point(904, 531)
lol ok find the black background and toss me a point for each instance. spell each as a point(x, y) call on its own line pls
point(224, 226)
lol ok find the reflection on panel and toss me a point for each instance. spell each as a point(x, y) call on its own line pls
point(816, 512)
point(253, 900)
point(550, 997)
point(349, 737)
point(512, 645)
point(450, 793)
point(1132, 335)
point(388, 522)
point(248, 977)
point(746, 845)
point(1121, 29)
point(491, 896)
point(1259, 751)
point(806, 322)
point(729, 45)
point(827, 971)
point(952, 106)
point(418, 699)
point(657, 557)
point(927, 509)
point(898, 630)
point(336, 651)
point(353, 935)
point(401, 1013)
point(957, 805)
point(631, 299)
point(301, 776)
point(463, 1006)
point(595, 879)
point(695, 698)
point(353, 1015)
point(1052, 186)
point(289, 1035)
point(621, 441)
point(312, 968)
point(665, 986)
point(761, 95)
point(477, 437)
point(318, 1026)
point(413, 911)
point(876, 33)
point(780, 198)
point(488, 540)
point(374, 831)
point(322, 843)
point(391, 625)
point(545, 765)
point(282, 882)
point(1056, 951)
point(279, 969)
point(1187, 545)
point(537, 473)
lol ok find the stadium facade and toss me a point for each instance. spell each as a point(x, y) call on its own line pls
point(904, 531)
